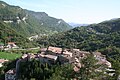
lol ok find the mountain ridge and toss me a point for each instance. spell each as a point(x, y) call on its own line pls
point(26, 23)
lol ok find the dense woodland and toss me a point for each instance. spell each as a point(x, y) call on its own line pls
point(104, 37)
point(35, 70)
point(39, 71)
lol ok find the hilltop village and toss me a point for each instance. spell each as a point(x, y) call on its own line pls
point(52, 55)
point(37, 46)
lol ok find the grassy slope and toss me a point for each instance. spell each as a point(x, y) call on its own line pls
point(9, 56)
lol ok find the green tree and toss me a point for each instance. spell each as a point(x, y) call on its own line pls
point(91, 70)
point(63, 72)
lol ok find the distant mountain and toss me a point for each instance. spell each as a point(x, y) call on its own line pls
point(29, 23)
point(50, 23)
point(77, 25)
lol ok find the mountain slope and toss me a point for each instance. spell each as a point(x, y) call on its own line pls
point(50, 22)
point(103, 37)
point(91, 38)
point(7, 34)
point(26, 23)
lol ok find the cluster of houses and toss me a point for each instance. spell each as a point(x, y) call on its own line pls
point(10, 45)
point(52, 55)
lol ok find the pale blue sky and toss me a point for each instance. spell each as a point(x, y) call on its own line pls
point(78, 11)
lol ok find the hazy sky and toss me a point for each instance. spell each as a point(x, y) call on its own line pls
point(78, 11)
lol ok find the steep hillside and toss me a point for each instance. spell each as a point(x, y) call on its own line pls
point(103, 37)
point(92, 37)
point(7, 34)
point(50, 23)
point(28, 23)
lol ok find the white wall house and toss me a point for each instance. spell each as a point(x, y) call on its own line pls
point(12, 45)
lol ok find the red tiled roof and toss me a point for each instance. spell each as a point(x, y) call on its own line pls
point(55, 49)
point(43, 49)
point(76, 69)
point(11, 42)
point(2, 60)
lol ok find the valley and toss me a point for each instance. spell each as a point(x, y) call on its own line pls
point(36, 46)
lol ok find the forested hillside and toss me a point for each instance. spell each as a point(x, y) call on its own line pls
point(29, 23)
point(7, 34)
point(104, 37)
point(50, 23)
